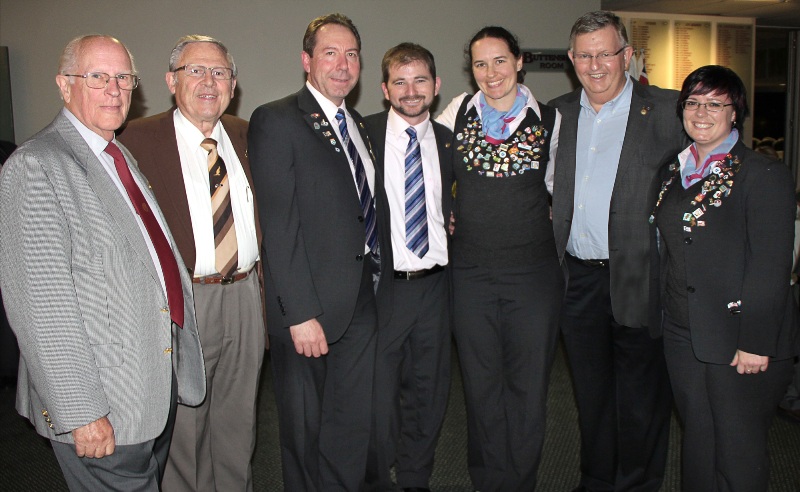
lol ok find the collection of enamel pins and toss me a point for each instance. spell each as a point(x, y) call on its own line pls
point(515, 156)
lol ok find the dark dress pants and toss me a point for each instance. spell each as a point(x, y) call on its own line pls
point(325, 404)
point(621, 388)
point(412, 381)
point(505, 322)
point(726, 417)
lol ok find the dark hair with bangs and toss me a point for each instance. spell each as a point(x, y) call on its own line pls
point(405, 53)
point(498, 33)
point(722, 81)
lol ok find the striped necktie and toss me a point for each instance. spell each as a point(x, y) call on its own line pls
point(364, 194)
point(166, 257)
point(416, 212)
point(226, 249)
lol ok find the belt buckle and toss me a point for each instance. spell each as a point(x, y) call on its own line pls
point(227, 280)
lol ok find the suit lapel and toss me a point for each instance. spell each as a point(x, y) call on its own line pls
point(107, 192)
point(568, 140)
point(172, 176)
point(319, 124)
point(639, 118)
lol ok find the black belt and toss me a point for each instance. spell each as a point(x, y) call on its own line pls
point(417, 273)
point(589, 263)
point(219, 279)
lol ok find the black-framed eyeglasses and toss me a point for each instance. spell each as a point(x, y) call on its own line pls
point(99, 80)
point(711, 107)
point(600, 57)
point(217, 73)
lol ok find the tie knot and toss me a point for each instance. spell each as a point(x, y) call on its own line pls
point(113, 150)
point(340, 114)
point(411, 132)
point(209, 145)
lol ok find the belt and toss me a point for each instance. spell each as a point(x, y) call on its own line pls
point(417, 273)
point(589, 263)
point(219, 279)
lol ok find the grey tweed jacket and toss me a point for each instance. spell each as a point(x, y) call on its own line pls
point(84, 299)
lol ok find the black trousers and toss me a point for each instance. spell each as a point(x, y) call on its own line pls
point(621, 388)
point(506, 326)
point(726, 417)
point(325, 404)
point(412, 382)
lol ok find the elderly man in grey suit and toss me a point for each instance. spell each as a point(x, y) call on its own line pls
point(615, 135)
point(96, 294)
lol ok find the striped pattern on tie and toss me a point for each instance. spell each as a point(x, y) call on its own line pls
point(416, 212)
point(226, 248)
point(364, 194)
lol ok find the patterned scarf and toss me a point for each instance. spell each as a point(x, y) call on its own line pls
point(495, 123)
point(691, 173)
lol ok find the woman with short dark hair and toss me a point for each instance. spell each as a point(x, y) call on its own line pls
point(724, 227)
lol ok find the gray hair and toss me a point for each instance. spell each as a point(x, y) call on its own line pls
point(68, 62)
point(594, 21)
point(177, 51)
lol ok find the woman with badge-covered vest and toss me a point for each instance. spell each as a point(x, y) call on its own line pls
point(507, 283)
point(723, 230)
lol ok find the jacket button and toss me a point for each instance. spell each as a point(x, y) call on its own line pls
point(361, 218)
point(164, 310)
point(359, 257)
point(688, 240)
point(167, 350)
point(690, 289)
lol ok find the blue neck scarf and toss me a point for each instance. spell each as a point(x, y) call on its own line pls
point(692, 171)
point(495, 123)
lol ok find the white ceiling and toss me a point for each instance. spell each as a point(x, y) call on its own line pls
point(767, 12)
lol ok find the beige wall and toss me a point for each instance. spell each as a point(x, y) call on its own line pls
point(265, 36)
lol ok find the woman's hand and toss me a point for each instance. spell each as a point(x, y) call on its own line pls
point(747, 363)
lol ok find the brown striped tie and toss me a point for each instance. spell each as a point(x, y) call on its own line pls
point(226, 247)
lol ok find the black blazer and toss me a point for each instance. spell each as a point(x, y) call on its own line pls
point(654, 136)
point(743, 252)
point(310, 214)
point(376, 129)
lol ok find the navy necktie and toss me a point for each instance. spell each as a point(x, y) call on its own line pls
point(416, 212)
point(364, 194)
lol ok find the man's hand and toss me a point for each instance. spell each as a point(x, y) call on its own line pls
point(747, 363)
point(94, 440)
point(309, 339)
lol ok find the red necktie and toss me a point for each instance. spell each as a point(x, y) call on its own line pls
point(169, 267)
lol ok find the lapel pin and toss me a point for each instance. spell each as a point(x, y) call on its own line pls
point(315, 115)
point(316, 126)
point(645, 109)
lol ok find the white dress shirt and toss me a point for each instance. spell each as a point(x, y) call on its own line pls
point(394, 181)
point(194, 166)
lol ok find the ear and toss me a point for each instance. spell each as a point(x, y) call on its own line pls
point(627, 53)
point(519, 63)
point(570, 55)
point(385, 90)
point(306, 58)
point(437, 86)
point(233, 86)
point(64, 87)
point(172, 81)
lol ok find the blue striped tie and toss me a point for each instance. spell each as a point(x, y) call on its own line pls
point(416, 213)
point(364, 194)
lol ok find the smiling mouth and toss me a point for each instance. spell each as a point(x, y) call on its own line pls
point(597, 76)
point(412, 100)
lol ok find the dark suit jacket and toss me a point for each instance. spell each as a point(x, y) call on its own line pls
point(152, 141)
point(311, 214)
point(742, 253)
point(376, 129)
point(653, 137)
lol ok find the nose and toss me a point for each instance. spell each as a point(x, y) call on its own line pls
point(342, 62)
point(112, 87)
point(207, 78)
point(703, 108)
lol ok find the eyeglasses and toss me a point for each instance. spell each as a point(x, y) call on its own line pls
point(217, 73)
point(600, 57)
point(99, 80)
point(711, 107)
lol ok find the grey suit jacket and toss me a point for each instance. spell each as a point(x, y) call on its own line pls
point(653, 137)
point(84, 299)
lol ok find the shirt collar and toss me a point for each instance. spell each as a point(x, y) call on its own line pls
point(326, 104)
point(96, 143)
point(621, 101)
point(397, 125)
point(192, 135)
point(530, 102)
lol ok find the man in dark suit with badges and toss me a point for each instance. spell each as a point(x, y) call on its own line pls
point(615, 135)
point(412, 368)
point(94, 287)
point(322, 213)
point(196, 159)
